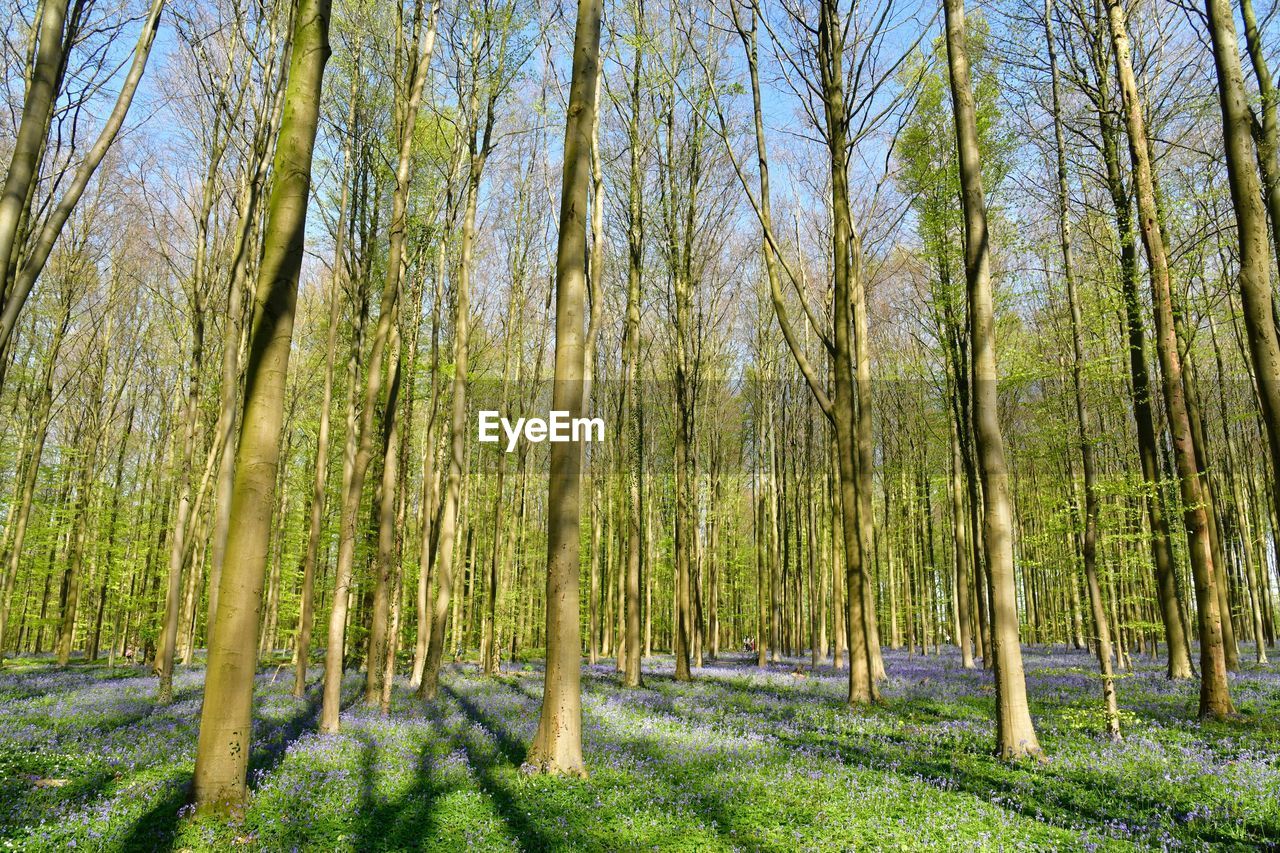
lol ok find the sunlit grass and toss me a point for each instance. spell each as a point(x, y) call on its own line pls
point(741, 758)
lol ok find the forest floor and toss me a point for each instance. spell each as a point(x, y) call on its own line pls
point(741, 758)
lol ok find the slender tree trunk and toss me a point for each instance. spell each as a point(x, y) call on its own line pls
point(557, 747)
point(1089, 540)
point(866, 453)
point(1208, 490)
point(960, 524)
point(385, 514)
point(457, 443)
point(1168, 593)
point(427, 529)
point(319, 490)
point(410, 86)
point(406, 123)
point(1254, 276)
point(182, 518)
point(1215, 696)
point(222, 754)
point(842, 407)
point(1015, 735)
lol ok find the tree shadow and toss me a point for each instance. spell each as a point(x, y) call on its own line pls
point(507, 752)
point(709, 799)
point(35, 778)
point(1065, 799)
point(402, 822)
point(157, 827)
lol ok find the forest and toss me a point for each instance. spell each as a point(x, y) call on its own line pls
point(639, 424)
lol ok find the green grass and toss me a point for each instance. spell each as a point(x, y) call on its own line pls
point(739, 759)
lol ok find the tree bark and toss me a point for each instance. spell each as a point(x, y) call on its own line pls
point(1015, 735)
point(557, 747)
point(222, 754)
point(1215, 696)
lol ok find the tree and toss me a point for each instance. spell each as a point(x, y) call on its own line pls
point(633, 400)
point(1215, 697)
point(847, 264)
point(1099, 91)
point(492, 63)
point(557, 746)
point(1254, 278)
point(1089, 536)
point(1015, 734)
point(222, 754)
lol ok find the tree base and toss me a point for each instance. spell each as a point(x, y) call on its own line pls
point(1022, 753)
point(549, 767)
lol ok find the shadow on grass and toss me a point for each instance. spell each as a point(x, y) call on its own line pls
point(509, 753)
point(62, 771)
point(1069, 799)
point(156, 828)
point(708, 800)
point(403, 822)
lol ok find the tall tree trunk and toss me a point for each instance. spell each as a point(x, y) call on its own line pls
point(443, 563)
point(410, 86)
point(1015, 735)
point(427, 528)
point(406, 123)
point(1254, 276)
point(319, 490)
point(385, 517)
point(1208, 489)
point(1089, 536)
point(222, 754)
point(960, 523)
point(183, 515)
point(1215, 696)
point(1169, 596)
point(866, 453)
point(839, 408)
point(557, 747)
point(842, 407)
